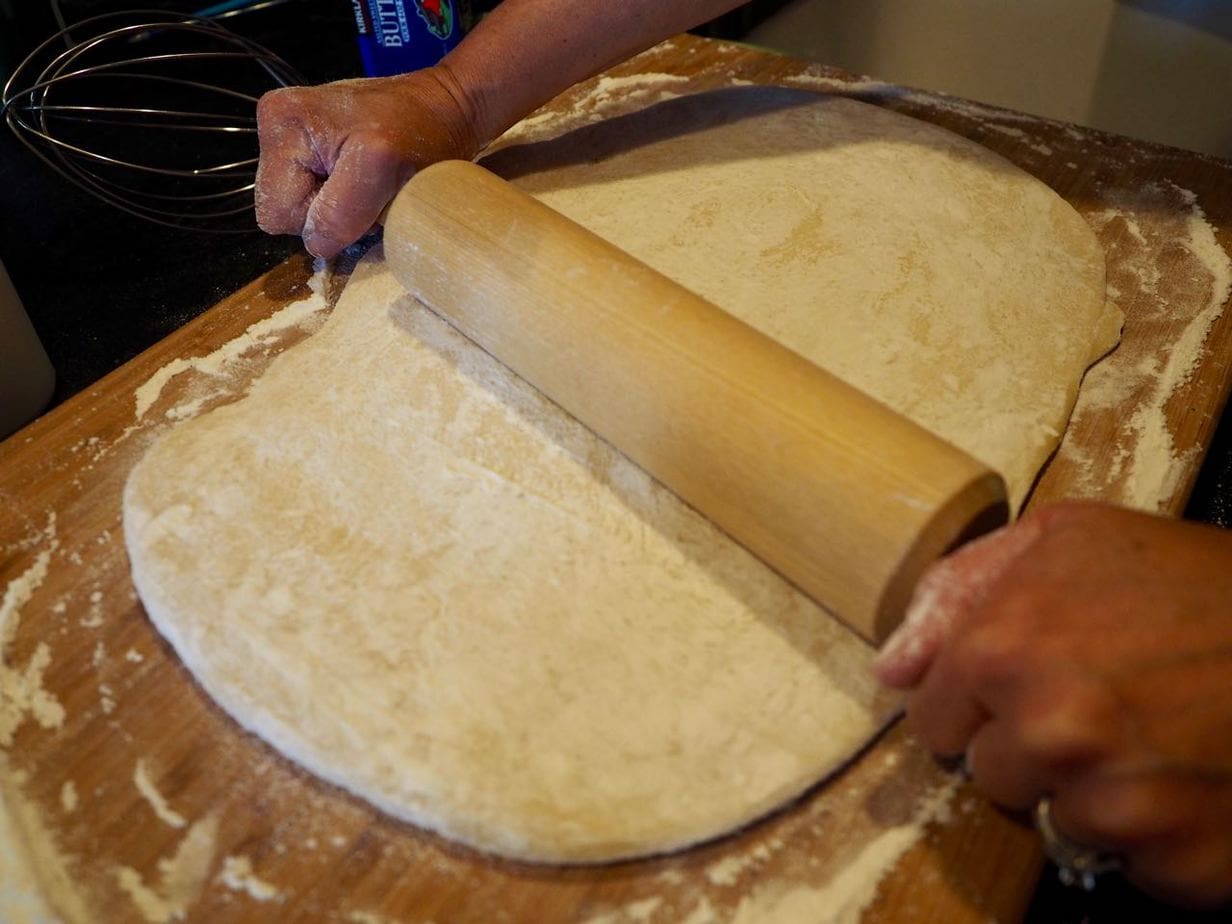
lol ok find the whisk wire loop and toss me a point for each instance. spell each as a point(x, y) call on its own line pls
point(152, 112)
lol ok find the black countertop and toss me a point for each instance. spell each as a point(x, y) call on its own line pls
point(101, 285)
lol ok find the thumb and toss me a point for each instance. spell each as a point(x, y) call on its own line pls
point(948, 591)
point(367, 175)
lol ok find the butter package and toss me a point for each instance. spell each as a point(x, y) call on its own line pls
point(396, 36)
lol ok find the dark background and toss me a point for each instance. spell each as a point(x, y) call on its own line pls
point(101, 286)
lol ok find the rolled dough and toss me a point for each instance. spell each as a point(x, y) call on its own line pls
point(412, 574)
point(920, 267)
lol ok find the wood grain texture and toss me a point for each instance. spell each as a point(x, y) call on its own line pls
point(327, 856)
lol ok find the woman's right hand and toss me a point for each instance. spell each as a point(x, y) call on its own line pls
point(333, 156)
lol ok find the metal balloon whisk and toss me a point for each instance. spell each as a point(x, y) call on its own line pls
point(150, 111)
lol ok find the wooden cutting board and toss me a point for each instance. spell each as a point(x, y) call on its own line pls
point(140, 800)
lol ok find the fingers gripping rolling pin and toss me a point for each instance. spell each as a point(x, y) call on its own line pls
point(836, 492)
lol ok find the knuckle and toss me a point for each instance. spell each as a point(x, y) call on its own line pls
point(1065, 526)
point(275, 105)
point(944, 728)
point(994, 656)
point(1063, 513)
point(1136, 813)
point(378, 155)
point(1066, 724)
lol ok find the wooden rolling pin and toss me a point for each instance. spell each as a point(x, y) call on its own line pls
point(836, 492)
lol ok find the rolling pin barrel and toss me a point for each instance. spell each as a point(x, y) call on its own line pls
point(836, 492)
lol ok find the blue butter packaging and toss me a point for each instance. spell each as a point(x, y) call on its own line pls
point(396, 36)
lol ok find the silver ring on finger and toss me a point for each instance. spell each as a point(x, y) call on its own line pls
point(1077, 864)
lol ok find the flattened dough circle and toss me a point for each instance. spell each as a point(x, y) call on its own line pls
point(410, 573)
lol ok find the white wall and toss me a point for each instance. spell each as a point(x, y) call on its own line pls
point(1154, 69)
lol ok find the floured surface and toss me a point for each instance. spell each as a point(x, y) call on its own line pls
point(1165, 254)
point(332, 857)
point(406, 569)
point(921, 268)
point(470, 611)
point(36, 884)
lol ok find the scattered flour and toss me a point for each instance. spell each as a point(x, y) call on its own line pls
point(601, 100)
point(368, 917)
point(106, 701)
point(815, 78)
point(94, 619)
point(36, 882)
point(633, 84)
point(985, 113)
point(727, 872)
point(21, 688)
point(33, 876)
point(216, 364)
point(1007, 130)
point(181, 876)
point(793, 897)
point(1143, 231)
point(845, 898)
point(68, 797)
point(702, 913)
point(671, 875)
point(637, 912)
point(238, 876)
point(141, 779)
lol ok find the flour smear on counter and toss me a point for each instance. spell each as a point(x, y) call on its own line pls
point(1143, 231)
